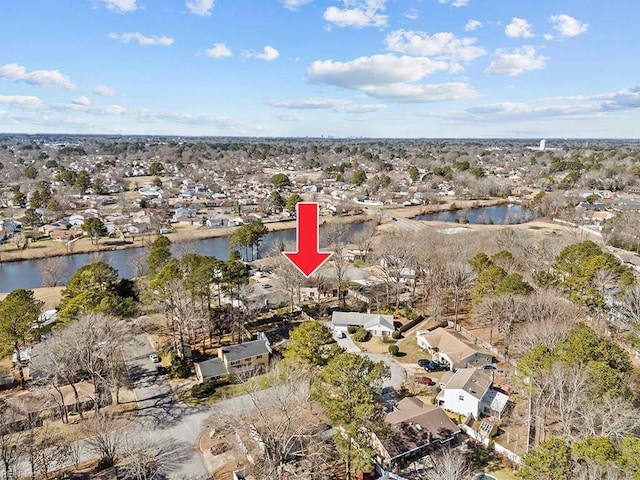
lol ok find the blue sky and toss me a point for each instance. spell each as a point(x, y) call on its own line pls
point(376, 68)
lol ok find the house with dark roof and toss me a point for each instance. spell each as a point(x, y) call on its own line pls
point(212, 369)
point(411, 431)
point(253, 355)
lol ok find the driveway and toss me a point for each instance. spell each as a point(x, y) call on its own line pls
point(348, 344)
point(398, 374)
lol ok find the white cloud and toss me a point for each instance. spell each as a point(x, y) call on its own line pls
point(104, 91)
point(574, 107)
point(455, 3)
point(120, 6)
point(519, 28)
point(421, 93)
point(92, 109)
point(412, 14)
point(268, 54)
point(219, 50)
point(81, 101)
point(377, 69)
point(442, 46)
point(144, 40)
point(358, 14)
point(623, 100)
point(335, 104)
point(202, 8)
point(18, 73)
point(517, 61)
point(548, 36)
point(28, 102)
point(568, 26)
point(390, 77)
point(294, 4)
point(289, 117)
point(472, 25)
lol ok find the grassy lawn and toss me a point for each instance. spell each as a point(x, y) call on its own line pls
point(412, 351)
point(486, 462)
point(259, 382)
point(374, 345)
point(503, 474)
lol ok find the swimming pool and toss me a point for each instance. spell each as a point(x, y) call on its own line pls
point(484, 476)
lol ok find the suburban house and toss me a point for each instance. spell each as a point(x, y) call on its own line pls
point(453, 348)
point(212, 369)
point(376, 325)
point(468, 392)
point(412, 431)
point(253, 355)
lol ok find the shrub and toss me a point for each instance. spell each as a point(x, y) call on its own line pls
point(394, 350)
point(361, 335)
point(202, 390)
point(179, 368)
point(352, 330)
point(396, 334)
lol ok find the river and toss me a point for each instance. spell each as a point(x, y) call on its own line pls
point(509, 214)
point(26, 274)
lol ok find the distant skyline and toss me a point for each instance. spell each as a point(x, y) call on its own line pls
point(341, 68)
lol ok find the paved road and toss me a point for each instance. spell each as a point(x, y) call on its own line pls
point(162, 419)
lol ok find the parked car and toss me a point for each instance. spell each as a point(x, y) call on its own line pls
point(489, 367)
point(435, 367)
point(160, 370)
point(425, 381)
point(154, 358)
point(266, 285)
point(423, 362)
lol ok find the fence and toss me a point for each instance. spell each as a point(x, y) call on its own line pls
point(478, 341)
point(515, 458)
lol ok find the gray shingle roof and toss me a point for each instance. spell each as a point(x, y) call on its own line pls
point(233, 353)
point(212, 368)
point(472, 380)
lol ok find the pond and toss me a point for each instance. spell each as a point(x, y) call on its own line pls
point(26, 274)
point(508, 214)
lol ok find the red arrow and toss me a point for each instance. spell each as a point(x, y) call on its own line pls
point(307, 259)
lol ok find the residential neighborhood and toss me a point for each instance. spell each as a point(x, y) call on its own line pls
point(446, 328)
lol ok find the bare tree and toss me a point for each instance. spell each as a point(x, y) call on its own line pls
point(142, 459)
point(53, 270)
point(19, 240)
point(279, 431)
point(335, 237)
point(396, 261)
point(364, 239)
point(546, 319)
point(10, 439)
point(105, 440)
point(138, 262)
point(459, 278)
point(630, 306)
point(450, 464)
point(567, 385)
point(290, 278)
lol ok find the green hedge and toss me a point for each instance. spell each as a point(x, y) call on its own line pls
point(361, 335)
point(394, 350)
point(202, 390)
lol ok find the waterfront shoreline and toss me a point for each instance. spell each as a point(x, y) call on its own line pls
point(50, 248)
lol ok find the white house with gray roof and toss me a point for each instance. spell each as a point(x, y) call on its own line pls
point(375, 324)
point(468, 392)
